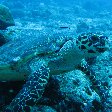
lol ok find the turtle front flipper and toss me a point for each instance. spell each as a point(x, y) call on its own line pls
point(31, 92)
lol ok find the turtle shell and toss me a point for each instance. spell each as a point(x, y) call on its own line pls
point(31, 43)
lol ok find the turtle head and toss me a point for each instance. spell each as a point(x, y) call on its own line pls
point(92, 44)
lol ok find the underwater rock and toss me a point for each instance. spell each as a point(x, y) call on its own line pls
point(103, 69)
point(71, 92)
point(43, 109)
point(8, 91)
point(76, 89)
point(6, 18)
point(8, 35)
point(3, 39)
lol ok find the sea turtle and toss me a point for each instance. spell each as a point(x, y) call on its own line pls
point(36, 58)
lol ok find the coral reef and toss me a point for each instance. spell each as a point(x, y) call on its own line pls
point(6, 18)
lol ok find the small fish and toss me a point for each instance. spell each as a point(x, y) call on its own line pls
point(64, 27)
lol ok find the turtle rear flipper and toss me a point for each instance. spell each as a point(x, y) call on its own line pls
point(31, 92)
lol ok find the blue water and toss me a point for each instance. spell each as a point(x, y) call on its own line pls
point(90, 6)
